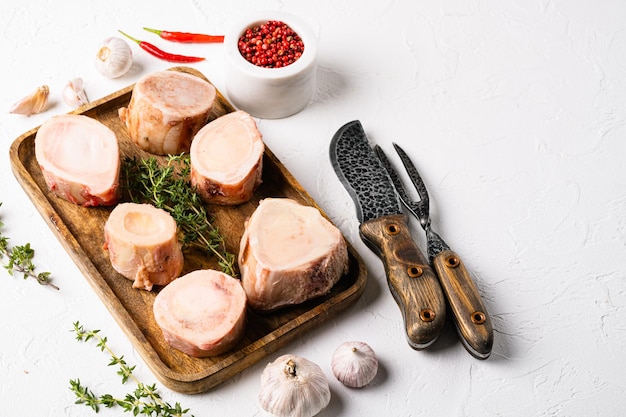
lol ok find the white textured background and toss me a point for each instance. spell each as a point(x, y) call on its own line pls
point(515, 113)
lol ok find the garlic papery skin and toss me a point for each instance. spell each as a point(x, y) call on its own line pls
point(33, 103)
point(74, 94)
point(114, 58)
point(354, 364)
point(293, 387)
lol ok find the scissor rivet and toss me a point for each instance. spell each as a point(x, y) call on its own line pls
point(393, 229)
point(414, 271)
point(478, 317)
point(427, 315)
point(453, 261)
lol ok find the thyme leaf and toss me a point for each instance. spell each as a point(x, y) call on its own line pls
point(20, 260)
point(168, 187)
point(144, 400)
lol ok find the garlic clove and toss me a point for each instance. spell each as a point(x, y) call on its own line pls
point(292, 386)
point(33, 103)
point(354, 364)
point(74, 94)
point(114, 58)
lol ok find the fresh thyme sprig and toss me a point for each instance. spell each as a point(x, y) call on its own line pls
point(144, 400)
point(168, 187)
point(20, 260)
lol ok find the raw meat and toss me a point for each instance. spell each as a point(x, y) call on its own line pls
point(202, 313)
point(166, 110)
point(143, 245)
point(227, 159)
point(80, 159)
point(289, 253)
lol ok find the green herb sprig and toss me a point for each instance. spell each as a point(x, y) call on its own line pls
point(144, 400)
point(20, 260)
point(168, 187)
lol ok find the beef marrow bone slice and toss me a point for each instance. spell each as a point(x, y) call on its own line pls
point(143, 244)
point(227, 159)
point(289, 253)
point(202, 313)
point(80, 159)
point(166, 109)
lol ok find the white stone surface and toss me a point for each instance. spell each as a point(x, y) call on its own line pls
point(514, 111)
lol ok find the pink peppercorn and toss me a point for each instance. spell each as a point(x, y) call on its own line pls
point(271, 45)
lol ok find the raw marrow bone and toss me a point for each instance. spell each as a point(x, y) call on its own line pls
point(80, 159)
point(202, 313)
point(143, 244)
point(289, 253)
point(227, 159)
point(166, 110)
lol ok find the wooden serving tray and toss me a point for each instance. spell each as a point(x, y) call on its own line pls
point(80, 231)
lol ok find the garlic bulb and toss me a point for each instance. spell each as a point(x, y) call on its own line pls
point(114, 58)
point(293, 387)
point(354, 364)
point(74, 94)
point(33, 103)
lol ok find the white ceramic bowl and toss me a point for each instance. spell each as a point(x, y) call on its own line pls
point(270, 93)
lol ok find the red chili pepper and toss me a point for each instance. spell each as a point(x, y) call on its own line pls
point(186, 37)
point(159, 53)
